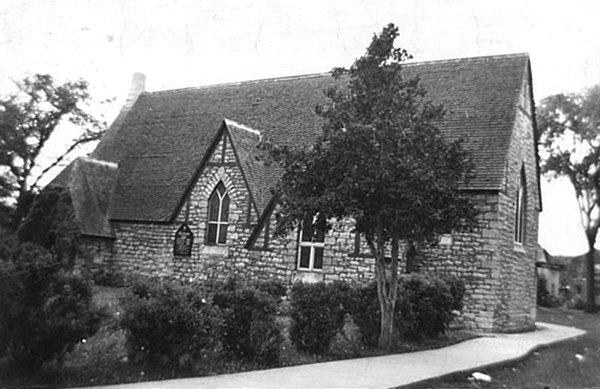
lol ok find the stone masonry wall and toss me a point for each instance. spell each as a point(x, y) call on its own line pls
point(517, 294)
point(471, 257)
point(499, 272)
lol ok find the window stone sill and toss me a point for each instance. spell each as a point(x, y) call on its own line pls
point(309, 276)
point(215, 250)
point(519, 248)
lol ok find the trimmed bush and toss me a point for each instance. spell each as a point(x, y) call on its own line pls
point(249, 329)
point(423, 309)
point(274, 288)
point(424, 306)
point(170, 325)
point(363, 306)
point(47, 311)
point(457, 289)
point(317, 313)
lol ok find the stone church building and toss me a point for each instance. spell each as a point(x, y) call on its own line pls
point(177, 187)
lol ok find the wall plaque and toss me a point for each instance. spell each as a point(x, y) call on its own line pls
point(184, 239)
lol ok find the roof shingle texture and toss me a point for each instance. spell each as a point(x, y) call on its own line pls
point(161, 142)
point(260, 176)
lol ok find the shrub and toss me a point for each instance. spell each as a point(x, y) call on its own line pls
point(578, 303)
point(106, 277)
point(363, 306)
point(49, 311)
point(249, 329)
point(424, 306)
point(317, 313)
point(457, 289)
point(170, 325)
point(544, 298)
point(8, 245)
point(274, 288)
point(9, 288)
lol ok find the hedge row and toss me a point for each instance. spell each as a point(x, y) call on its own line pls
point(169, 324)
point(424, 308)
point(186, 327)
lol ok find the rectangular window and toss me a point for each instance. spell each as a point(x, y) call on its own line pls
point(311, 247)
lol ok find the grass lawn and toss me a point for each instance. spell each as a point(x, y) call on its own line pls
point(553, 367)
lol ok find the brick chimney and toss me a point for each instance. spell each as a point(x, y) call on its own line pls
point(138, 86)
point(106, 150)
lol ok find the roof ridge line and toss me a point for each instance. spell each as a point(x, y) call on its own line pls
point(478, 57)
point(237, 83)
point(322, 74)
point(99, 161)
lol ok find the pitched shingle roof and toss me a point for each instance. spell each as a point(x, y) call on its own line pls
point(261, 176)
point(480, 97)
point(162, 140)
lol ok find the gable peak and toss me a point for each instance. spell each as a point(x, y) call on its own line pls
point(232, 123)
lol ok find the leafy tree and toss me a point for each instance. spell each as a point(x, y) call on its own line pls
point(570, 146)
point(380, 161)
point(51, 223)
point(27, 120)
point(45, 309)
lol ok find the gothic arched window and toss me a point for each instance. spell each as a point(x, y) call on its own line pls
point(521, 208)
point(218, 215)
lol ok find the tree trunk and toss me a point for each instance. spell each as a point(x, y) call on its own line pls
point(386, 338)
point(24, 202)
point(386, 326)
point(387, 290)
point(589, 265)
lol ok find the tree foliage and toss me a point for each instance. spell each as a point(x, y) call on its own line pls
point(46, 309)
point(28, 118)
point(381, 161)
point(570, 147)
point(52, 224)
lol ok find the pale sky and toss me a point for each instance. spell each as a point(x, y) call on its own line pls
point(183, 43)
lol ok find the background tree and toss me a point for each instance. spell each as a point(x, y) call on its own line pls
point(380, 161)
point(27, 120)
point(52, 224)
point(570, 147)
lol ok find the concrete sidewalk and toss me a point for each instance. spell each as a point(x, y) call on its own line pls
point(384, 372)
